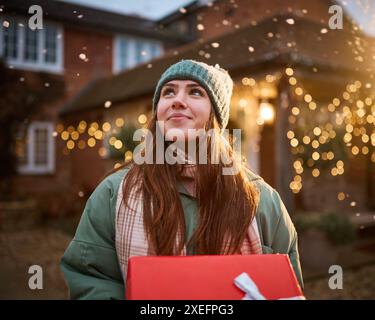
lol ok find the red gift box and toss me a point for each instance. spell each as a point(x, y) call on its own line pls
point(209, 277)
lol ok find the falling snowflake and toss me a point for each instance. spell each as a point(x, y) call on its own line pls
point(82, 56)
point(200, 27)
point(107, 104)
point(6, 24)
point(290, 21)
point(251, 49)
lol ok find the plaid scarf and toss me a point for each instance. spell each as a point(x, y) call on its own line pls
point(131, 238)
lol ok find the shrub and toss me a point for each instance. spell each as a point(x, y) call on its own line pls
point(337, 227)
point(128, 144)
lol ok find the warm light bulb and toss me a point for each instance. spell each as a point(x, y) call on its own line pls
point(267, 111)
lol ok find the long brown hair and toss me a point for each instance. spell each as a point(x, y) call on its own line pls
point(226, 203)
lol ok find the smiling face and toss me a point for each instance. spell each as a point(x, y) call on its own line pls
point(183, 105)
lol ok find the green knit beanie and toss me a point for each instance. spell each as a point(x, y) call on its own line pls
point(215, 80)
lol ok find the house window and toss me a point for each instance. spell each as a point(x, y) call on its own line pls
point(51, 45)
point(31, 45)
point(23, 48)
point(139, 51)
point(124, 53)
point(155, 50)
point(130, 51)
point(10, 40)
point(36, 149)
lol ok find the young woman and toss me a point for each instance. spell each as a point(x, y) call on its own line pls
point(183, 207)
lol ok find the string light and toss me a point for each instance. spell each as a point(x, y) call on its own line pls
point(59, 128)
point(75, 135)
point(341, 196)
point(289, 71)
point(142, 119)
point(98, 135)
point(65, 135)
point(91, 142)
point(70, 144)
point(315, 173)
point(292, 81)
point(102, 152)
point(119, 122)
point(118, 144)
point(81, 144)
point(290, 134)
point(106, 126)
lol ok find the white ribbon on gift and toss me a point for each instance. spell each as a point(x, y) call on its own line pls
point(246, 284)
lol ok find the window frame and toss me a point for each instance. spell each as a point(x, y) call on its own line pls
point(30, 167)
point(132, 43)
point(40, 64)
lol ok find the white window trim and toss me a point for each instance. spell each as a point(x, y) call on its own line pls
point(117, 66)
point(39, 65)
point(115, 54)
point(146, 43)
point(30, 167)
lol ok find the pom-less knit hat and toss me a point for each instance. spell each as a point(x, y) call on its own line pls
point(215, 80)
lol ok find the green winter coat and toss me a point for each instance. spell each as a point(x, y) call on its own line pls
point(90, 263)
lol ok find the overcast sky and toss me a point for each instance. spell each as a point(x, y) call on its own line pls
point(362, 10)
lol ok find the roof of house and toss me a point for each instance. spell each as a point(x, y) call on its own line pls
point(177, 14)
point(272, 40)
point(77, 15)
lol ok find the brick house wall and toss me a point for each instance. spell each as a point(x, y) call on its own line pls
point(96, 46)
